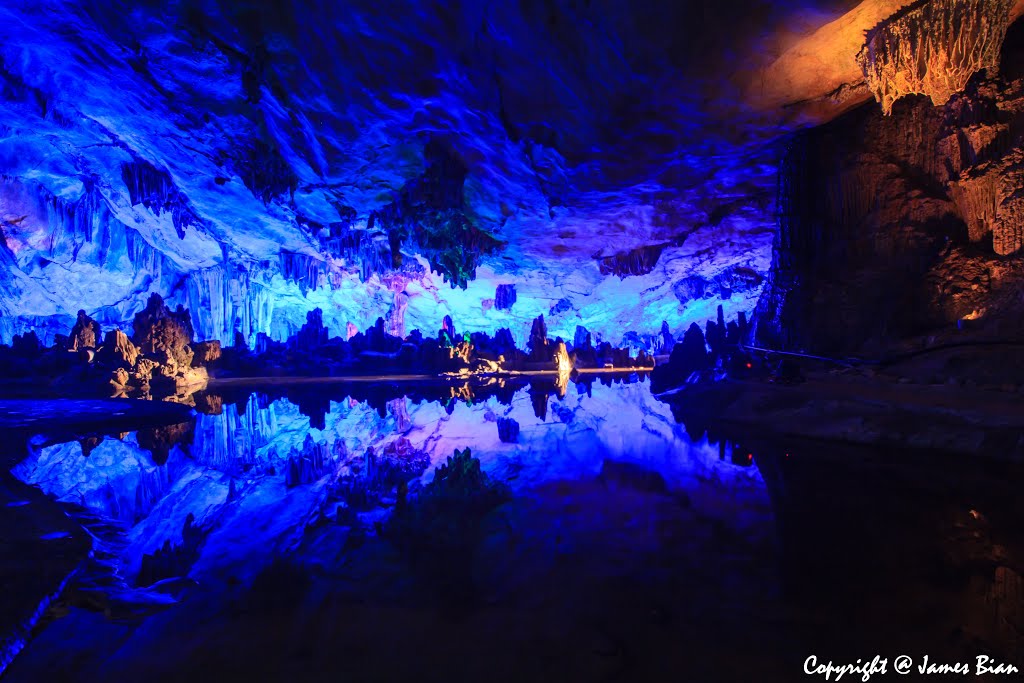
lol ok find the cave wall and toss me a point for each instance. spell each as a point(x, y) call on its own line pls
point(895, 226)
point(254, 161)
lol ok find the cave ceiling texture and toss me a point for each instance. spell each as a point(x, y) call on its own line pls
point(614, 160)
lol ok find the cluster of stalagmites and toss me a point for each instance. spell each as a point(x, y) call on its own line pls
point(159, 359)
point(312, 351)
point(933, 48)
point(702, 355)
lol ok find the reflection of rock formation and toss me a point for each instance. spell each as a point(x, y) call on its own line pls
point(539, 399)
point(399, 409)
point(89, 444)
point(171, 561)
point(933, 48)
point(160, 440)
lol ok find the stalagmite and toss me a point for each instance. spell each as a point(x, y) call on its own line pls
point(933, 48)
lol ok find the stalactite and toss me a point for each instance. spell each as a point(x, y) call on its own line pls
point(154, 189)
point(308, 271)
point(264, 171)
point(212, 309)
point(639, 261)
point(357, 248)
point(933, 48)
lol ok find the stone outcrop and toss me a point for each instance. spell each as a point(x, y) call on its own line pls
point(164, 334)
point(206, 352)
point(85, 334)
point(118, 351)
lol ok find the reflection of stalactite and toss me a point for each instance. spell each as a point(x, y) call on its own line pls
point(232, 441)
point(933, 48)
point(508, 430)
point(400, 411)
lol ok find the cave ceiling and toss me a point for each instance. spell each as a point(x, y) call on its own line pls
point(614, 160)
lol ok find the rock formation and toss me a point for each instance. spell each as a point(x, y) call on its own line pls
point(933, 48)
point(313, 334)
point(85, 334)
point(538, 343)
point(117, 351)
point(885, 222)
point(163, 333)
point(205, 353)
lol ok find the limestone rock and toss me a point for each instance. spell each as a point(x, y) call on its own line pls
point(117, 351)
point(164, 334)
point(144, 370)
point(85, 334)
point(119, 378)
point(206, 352)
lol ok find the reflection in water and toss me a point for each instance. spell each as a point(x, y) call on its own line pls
point(263, 465)
point(626, 540)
